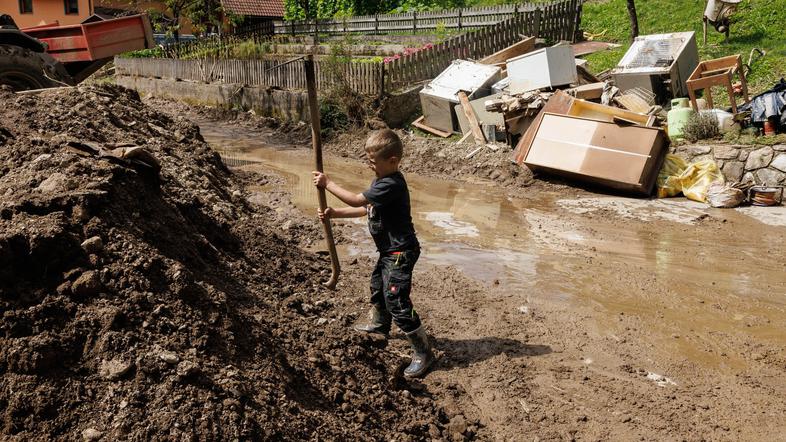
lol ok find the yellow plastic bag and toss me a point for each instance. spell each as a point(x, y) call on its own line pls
point(693, 180)
point(697, 179)
point(668, 177)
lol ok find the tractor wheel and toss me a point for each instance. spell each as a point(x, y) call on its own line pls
point(23, 69)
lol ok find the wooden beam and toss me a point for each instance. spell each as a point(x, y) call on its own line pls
point(422, 126)
point(514, 50)
point(472, 119)
point(464, 138)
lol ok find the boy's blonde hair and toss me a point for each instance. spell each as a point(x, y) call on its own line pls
point(384, 144)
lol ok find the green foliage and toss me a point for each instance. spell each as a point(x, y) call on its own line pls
point(156, 52)
point(701, 126)
point(427, 5)
point(296, 9)
point(757, 23)
point(250, 50)
point(440, 32)
point(741, 137)
point(341, 106)
point(331, 116)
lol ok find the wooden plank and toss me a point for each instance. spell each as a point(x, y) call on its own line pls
point(464, 138)
point(472, 119)
point(591, 91)
point(422, 126)
point(520, 48)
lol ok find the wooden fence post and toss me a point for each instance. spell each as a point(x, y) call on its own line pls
point(381, 80)
point(376, 24)
point(536, 23)
point(415, 22)
point(577, 34)
point(459, 20)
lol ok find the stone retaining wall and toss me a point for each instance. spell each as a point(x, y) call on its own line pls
point(284, 105)
point(397, 110)
point(761, 164)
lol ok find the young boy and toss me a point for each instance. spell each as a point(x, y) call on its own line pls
point(386, 203)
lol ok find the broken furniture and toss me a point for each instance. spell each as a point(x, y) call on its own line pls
point(563, 104)
point(516, 111)
point(547, 67)
point(595, 111)
point(485, 118)
point(621, 157)
point(591, 91)
point(717, 72)
point(438, 98)
point(660, 63)
point(433, 131)
point(636, 100)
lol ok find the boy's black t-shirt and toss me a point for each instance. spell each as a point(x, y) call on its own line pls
point(389, 218)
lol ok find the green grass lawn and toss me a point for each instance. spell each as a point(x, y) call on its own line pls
point(756, 24)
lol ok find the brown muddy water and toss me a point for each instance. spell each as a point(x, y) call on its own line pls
point(693, 283)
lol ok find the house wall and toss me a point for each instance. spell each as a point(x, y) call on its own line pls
point(45, 12)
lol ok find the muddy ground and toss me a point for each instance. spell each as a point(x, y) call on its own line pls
point(141, 303)
point(636, 319)
point(199, 315)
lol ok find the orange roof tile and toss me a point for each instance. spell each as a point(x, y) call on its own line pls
point(259, 8)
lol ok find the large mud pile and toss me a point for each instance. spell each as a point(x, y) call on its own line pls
point(159, 305)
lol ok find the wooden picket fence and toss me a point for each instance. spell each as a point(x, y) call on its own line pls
point(460, 19)
point(365, 78)
point(427, 64)
point(556, 21)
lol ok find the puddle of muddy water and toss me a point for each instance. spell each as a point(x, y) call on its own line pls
point(528, 245)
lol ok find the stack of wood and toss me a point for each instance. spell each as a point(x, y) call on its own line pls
point(528, 103)
point(518, 111)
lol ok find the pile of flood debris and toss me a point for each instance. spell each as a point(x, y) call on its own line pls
point(612, 130)
point(143, 297)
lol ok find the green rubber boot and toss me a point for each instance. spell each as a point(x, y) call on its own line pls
point(422, 356)
point(377, 321)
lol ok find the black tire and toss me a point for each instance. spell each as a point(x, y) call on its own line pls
point(23, 69)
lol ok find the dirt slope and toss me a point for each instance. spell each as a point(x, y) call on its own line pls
point(163, 306)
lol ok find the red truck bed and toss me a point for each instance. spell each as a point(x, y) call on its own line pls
point(95, 40)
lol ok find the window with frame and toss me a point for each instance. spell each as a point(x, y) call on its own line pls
point(71, 6)
point(25, 6)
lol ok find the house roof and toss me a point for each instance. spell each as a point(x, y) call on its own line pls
point(259, 8)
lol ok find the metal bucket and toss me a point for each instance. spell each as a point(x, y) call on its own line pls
point(765, 195)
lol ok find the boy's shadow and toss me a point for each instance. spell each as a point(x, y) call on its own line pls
point(465, 352)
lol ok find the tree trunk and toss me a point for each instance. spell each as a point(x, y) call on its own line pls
point(634, 20)
point(176, 19)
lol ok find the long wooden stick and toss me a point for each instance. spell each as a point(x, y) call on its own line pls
point(316, 142)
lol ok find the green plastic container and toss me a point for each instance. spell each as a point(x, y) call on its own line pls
point(678, 116)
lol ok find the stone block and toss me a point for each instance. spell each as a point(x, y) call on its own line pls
point(779, 147)
point(759, 158)
point(694, 150)
point(744, 154)
point(770, 176)
point(733, 170)
point(779, 162)
point(706, 157)
point(726, 152)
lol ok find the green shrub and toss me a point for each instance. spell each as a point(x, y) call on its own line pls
point(701, 126)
